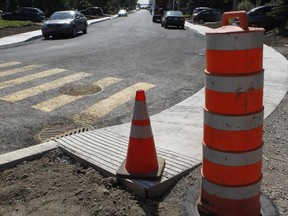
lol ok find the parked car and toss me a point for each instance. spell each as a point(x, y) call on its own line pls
point(92, 11)
point(25, 14)
point(122, 13)
point(208, 15)
point(173, 18)
point(198, 9)
point(1, 12)
point(261, 17)
point(65, 23)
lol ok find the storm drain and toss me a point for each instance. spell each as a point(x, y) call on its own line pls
point(80, 89)
point(58, 131)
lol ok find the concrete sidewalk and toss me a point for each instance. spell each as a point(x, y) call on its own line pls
point(179, 128)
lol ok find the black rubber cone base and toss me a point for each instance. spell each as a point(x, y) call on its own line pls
point(122, 172)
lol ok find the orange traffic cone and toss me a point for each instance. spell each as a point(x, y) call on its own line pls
point(141, 160)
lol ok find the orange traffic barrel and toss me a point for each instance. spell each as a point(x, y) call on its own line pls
point(233, 119)
point(141, 161)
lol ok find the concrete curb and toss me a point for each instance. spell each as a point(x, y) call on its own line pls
point(13, 158)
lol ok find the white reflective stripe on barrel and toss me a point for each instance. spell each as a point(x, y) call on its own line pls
point(233, 123)
point(232, 159)
point(141, 132)
point(143, 115)
point(234, 41)
point(235, 83)
point(234, 193)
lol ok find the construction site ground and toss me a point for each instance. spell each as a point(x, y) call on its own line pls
point(57, 185)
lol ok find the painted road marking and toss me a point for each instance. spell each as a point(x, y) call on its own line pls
point(9, 64)
point(31, 77)
point(56, 102)
point(102, 108)
point(18, 70)
point(20, 95)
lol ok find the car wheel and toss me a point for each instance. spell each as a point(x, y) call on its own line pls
point(162, 24)
point(201, 21)
point(46, 36)
point(85, 29)
point(74, 33)
point(165, 25)
point(183, 26)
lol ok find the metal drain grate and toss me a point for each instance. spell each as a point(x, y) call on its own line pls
point(58, 131)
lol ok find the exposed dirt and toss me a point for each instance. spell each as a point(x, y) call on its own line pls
point(8, 31)
point(56, 185)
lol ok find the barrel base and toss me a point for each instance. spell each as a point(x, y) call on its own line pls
point(192, 208)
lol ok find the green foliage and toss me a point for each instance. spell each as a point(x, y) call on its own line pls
point(281, 13)
point(245, 5)
point(14, 23)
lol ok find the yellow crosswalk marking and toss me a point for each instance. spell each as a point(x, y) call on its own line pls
point(7, 64)
point(31, 77)
point(18, 70)
point(102, 108)
point(20, 95)
point(54, 103)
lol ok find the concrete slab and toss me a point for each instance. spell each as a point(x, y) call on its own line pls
point(105, 151)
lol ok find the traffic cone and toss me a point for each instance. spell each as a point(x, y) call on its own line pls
point(141, 160)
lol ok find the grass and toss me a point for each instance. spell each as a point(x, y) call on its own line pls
point(14, 23)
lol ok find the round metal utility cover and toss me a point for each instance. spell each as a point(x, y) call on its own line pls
point(79, 89)
point(54, 132)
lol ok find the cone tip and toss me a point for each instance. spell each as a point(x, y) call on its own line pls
point(140, 95)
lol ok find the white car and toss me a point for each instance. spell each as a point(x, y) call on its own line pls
point(122, 12)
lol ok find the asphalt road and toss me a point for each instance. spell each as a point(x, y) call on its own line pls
point(120, 56)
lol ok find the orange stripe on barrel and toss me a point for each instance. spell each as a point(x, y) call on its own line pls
point(231, 175)
point(234, 141)
point(234, 61)
point(233, 103)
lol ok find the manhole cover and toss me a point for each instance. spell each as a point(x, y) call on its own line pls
point(58, 131)
point(78, 89)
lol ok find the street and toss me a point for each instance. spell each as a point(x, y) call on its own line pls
point(92, 79)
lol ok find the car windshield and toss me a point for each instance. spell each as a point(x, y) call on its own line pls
point(62, 15)
point(174, 13)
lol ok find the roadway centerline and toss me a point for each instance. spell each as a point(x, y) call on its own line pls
point(31, 77)
point(102, 108)
point(61, 100)
point(20, 95)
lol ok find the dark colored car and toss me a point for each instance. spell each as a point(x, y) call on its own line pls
point(25, 14)
point(208, 15)
point(261, 17)
point(173, 18)
point(198, 9)
point(92, 11)
point(65, 23)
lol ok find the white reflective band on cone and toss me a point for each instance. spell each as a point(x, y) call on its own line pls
point(233, 123)
point(234, 41)
point(235, 83)
point(143, 115)
point(234, 193)
point(232, 159)
point(141, 132)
